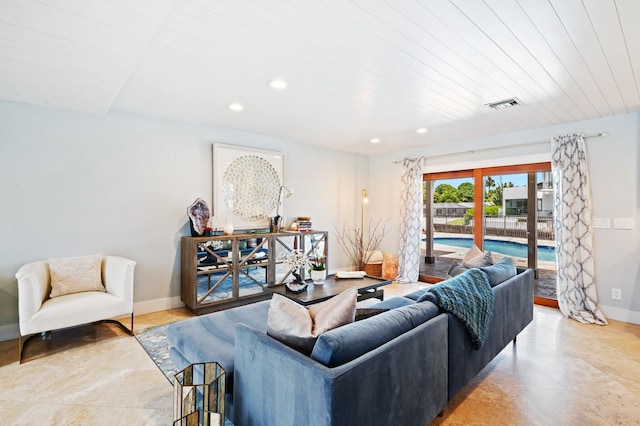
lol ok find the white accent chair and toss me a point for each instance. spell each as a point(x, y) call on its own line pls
point(39, 313)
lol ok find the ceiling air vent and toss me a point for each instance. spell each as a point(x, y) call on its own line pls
point(507, 103)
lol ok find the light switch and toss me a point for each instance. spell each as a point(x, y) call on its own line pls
point(602, 222)
point(623, 223)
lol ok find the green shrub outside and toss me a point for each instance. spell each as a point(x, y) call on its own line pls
point(488, 211)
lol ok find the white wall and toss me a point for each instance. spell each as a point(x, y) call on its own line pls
point(74, 184)
point(614, 162)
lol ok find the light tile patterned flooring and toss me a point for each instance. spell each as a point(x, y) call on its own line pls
point(560, 372)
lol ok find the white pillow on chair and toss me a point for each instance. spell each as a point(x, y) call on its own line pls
point(75, 274)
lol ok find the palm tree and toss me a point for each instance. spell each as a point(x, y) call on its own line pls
point(490, 183)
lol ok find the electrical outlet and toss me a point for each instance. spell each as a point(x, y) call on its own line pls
point(616, 294)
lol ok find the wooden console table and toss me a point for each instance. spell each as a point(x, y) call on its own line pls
point(223, 271)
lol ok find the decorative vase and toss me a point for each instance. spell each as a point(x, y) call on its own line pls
point(228, 228)
point(318, 277)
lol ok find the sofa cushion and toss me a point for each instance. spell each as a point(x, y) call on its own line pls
point(71, 275)
point(456, 269)
point(299, 327)
point(500, 271)
point(476, 258)
point(497, 273)
point(346, 343)
point(211, 337)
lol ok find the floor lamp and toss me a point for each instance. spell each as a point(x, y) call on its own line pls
point(365, 200)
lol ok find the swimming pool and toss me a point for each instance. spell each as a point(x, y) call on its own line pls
point(508, 248)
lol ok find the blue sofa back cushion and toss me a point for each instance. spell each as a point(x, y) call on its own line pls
point(456, 269)
point(500, 271)
point(346, 343)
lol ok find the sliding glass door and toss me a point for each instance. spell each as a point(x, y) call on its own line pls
point(505, 210)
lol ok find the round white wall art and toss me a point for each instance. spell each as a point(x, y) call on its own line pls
point(250, 187)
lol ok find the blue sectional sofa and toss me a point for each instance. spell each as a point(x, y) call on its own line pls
point(401, 366)
point(513, 311)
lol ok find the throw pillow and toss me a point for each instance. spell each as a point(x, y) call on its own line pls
point(75, 274)
point(501, 271)
point(475, 258)
point(299, 327)
point(456, 268)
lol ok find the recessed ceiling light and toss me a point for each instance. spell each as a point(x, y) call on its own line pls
point(375, 140)
point(278, 84)
point(422, 130)
point(236, 106)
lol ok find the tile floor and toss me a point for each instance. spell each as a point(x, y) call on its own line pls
point(560, 372)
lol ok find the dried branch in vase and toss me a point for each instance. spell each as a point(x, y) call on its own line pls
point(358, 248)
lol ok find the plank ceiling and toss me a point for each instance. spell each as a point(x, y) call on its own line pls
point(355, 69)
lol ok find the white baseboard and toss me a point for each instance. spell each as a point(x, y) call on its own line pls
point(11, 331)
point(157, 305)
point(620, 314)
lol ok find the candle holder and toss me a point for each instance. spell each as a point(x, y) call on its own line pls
point(198, 395)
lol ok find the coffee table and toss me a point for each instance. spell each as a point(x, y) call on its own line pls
point(367, 286)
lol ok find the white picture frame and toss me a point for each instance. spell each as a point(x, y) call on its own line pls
point(223, 156)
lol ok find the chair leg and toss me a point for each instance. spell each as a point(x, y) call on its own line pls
point(22, 341)
point(121, 326)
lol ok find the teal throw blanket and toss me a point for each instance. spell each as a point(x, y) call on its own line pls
point(469, 297)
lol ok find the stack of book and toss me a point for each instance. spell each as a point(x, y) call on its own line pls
point(304, 224)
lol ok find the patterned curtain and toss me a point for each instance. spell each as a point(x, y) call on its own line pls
point(575, 282)
point(410, 225)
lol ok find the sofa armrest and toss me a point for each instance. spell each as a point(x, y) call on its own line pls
point(117, 277)
point(403, 381)
point(33, 288)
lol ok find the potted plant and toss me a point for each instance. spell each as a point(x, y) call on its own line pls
point(317, 268)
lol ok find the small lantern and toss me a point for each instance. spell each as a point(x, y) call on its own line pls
point(198, 395)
